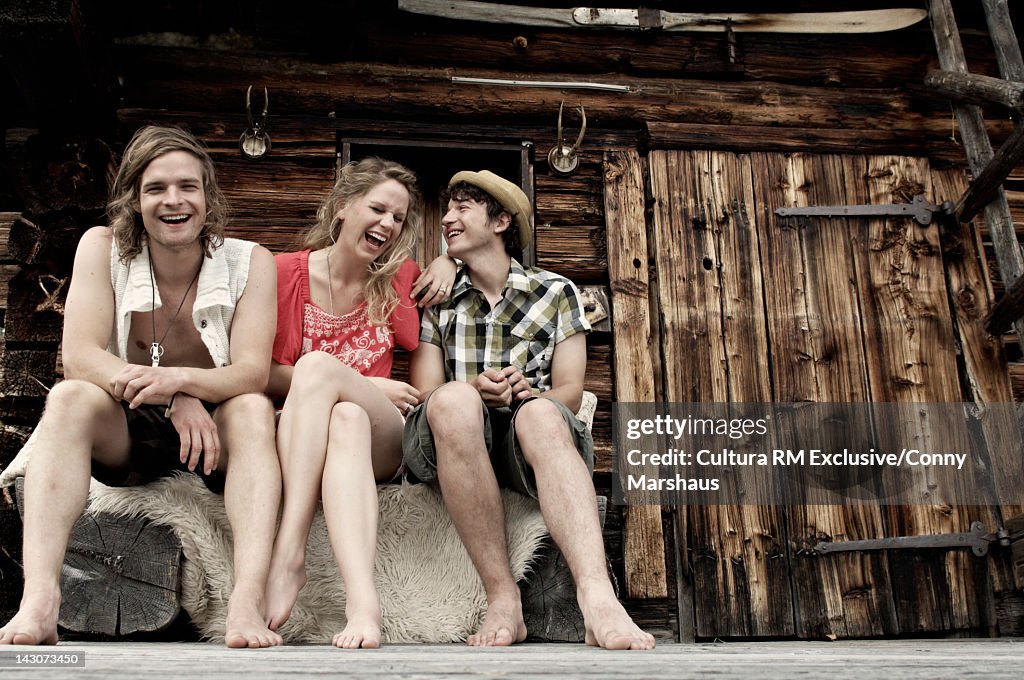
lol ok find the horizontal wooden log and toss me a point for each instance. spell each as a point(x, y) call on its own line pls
point(6, 220)
point(578, 252)
point(26, 372)
point(28, 318)
point(985, 186)
point(1016, 370)
point(819, 59)
point(309, 135)
point(974, 89)
point(274, 200)
point(120, 574)
point(7, 272)
point(361, 89)
point(744, 138)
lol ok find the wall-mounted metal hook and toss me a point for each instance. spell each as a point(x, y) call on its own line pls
point(255, 142)
point(563, 159)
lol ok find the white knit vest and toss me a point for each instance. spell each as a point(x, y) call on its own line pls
point(221, 283)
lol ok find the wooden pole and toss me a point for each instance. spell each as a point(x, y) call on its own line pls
point(984, 187)
point(1004, 40)
point(974, 89)
point(978, 149)
point(1010, 308)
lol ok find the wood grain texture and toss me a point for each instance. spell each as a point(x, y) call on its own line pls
point(987, 381)
point(634, 371)
point(817, 356)
point(908, 335)
point(713, 342)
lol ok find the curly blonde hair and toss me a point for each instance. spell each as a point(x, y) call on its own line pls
point(149, 143)
point(356, 180)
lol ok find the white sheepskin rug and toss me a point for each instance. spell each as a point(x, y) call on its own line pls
point(429, 590)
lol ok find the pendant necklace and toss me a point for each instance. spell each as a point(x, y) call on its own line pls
point(330, 282)
point(156, 350)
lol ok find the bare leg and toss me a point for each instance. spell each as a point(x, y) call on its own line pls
point(80, 419)
point(351, 511)
point(319, 382)
point(474, 502)
point(252, 494)
point(569, 506)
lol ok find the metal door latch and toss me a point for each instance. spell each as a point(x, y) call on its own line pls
point(919, 208)
point(977, 539)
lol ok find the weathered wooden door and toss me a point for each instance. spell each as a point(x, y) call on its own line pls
point(751, 307)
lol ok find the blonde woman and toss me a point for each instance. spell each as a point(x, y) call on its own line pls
point(344, 302)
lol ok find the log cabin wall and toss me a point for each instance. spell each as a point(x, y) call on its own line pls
point(340, 70)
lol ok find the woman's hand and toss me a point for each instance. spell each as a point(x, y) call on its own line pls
point(435, 283)
point(403, 395)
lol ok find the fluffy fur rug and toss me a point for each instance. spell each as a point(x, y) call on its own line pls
point(428, 588)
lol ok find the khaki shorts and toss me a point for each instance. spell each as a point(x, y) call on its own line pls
point(510, 467)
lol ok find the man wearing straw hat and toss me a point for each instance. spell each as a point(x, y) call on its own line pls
point(503, 361)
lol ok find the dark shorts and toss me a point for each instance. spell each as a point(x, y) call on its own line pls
point(510, 467)
point(155, 450)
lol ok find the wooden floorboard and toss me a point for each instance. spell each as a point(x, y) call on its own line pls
point(971, 658)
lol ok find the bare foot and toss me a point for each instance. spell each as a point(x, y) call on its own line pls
point(361, 632)
point(283, 586)
point(503, 624)
point(35, 623)
point(245, 625)
point(608, 625)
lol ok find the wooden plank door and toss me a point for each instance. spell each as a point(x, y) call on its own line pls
point(817, 355)
point(714, 342)
point(755, 308)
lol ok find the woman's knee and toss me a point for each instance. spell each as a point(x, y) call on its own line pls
point(319, 369)
point(347, 418)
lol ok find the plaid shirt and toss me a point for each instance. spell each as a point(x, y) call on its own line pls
point(538, 310)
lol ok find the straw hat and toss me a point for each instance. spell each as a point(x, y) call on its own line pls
point(507, 194)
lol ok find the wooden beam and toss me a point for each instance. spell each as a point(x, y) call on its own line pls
point(974, 89)
point(978, 148)
point(817, 139)
point(1000, 29)
point(984, 187)
point(634, 369)
point(1008, 310)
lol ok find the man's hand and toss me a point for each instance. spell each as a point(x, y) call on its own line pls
point(500, 388)
point(518, 383)
point(403, 395)
point(139, 385)
point(197, 432)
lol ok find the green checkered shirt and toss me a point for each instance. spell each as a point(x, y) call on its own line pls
point(538, 310)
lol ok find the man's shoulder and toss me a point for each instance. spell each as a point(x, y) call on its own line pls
point(236, 246)
point(547, 280)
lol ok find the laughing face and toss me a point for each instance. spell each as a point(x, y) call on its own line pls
point(172, 200)
point(371, 223)
point(467, 227)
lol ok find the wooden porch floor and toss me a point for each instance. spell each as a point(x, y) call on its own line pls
point(975, 658)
